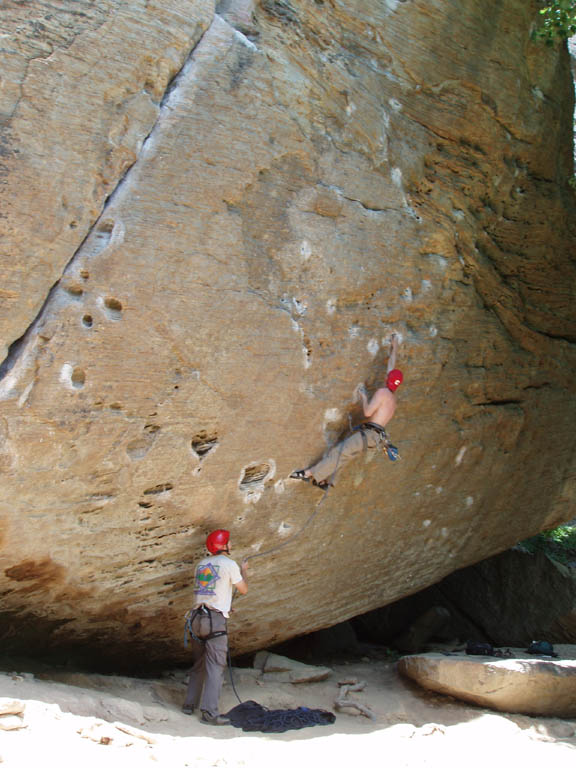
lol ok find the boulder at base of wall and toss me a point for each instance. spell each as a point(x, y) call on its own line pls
point(529, 686)
point(282, 670)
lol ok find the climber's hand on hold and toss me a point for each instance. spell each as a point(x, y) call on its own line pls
point(360, 393)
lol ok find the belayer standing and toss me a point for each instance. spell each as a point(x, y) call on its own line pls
point(368, 436)
point(215, 578)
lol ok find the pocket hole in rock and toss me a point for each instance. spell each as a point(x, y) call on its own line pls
point(87, 321)
point(75, 291)
point(162, 488)
point(78, 378)
point(113, 307)
point(106, 226)
point(254, 474)
point(137, 449)
point(145, 504)
point(102, 236)
point(203, 443)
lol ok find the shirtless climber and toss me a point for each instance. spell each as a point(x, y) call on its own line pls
point(368, 436)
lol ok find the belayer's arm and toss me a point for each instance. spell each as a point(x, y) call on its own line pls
point(241, 585)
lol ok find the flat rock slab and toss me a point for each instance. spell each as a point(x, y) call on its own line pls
point(279, 669)
point(530, 686)
point(11, 707)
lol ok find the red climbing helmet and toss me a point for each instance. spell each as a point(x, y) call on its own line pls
point(217, 541)
point(394, 379)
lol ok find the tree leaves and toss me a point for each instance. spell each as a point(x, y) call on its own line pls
point(558, 21)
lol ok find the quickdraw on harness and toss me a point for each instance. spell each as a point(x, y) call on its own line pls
point(383, 439)
point(189, 633)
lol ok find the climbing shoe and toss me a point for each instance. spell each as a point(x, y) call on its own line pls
point(300, 474)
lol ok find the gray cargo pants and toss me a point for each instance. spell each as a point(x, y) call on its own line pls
point(205, 681)
point(343, 452)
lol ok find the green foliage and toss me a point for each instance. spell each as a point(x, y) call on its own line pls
point(565, 535)
point(559, 544)
point(558, 21)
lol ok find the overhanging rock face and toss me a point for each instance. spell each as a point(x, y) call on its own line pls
point(215, 219)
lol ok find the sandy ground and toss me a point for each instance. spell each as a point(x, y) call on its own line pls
point(95, 720)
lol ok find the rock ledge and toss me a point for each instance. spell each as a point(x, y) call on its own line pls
point(529, 686)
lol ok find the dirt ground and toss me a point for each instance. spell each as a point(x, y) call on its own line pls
point(85, 720)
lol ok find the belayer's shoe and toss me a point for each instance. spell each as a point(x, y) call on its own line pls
point(187, 710)
point(209, 719)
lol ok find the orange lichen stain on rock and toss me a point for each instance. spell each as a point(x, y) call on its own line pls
point(46, 572)
point(328, 204)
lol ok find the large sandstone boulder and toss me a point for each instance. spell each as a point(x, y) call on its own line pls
point(214, 219)
point(523, 685)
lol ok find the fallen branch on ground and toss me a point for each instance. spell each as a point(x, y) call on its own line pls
point(343, 702)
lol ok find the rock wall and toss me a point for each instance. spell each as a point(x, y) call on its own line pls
point(514, 598)
point(510, 600)
point(215, 216)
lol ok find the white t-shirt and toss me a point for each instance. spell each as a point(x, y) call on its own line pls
point(213, 582)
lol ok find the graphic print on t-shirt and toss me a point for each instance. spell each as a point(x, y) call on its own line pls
point(206, 578)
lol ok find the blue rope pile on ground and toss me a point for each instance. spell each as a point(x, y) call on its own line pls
point(251, 716)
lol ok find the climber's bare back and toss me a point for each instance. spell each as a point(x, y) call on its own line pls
point(381, 407)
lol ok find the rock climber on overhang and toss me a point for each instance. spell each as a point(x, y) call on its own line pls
point(368, 436)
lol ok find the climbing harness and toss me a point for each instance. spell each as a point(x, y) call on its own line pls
point(383, 439)
point(189, 633)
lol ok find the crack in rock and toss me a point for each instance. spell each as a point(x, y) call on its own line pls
point(97, 238)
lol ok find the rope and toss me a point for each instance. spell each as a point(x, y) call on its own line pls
point(275, 549)
point(319, 503)
point(296, 535)
point(285, 544)
point(251, 716)
point(231, 677)
point(312, 516)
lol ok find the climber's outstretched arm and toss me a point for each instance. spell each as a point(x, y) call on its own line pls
point(393, 352)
